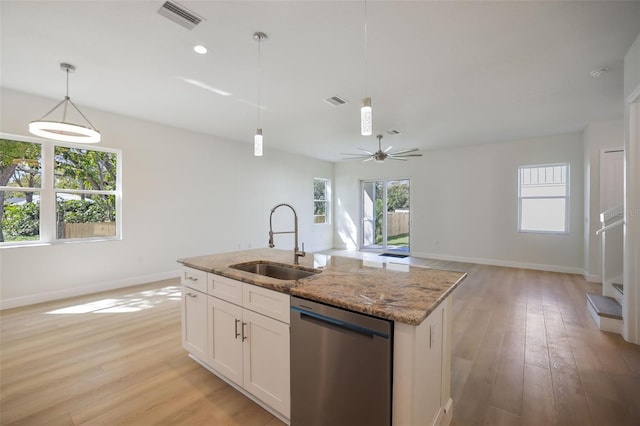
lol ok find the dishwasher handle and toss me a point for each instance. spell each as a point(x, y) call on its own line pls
point(338, 323)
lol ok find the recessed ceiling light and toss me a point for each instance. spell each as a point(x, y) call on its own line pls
point(200, 49)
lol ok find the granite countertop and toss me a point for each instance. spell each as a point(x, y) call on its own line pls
point(394, 291)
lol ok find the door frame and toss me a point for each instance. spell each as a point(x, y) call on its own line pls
point(384, 246)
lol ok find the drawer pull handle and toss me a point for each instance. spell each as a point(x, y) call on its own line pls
point(192, 279)
point(237, 334)
point(192, 295)
point(244, 336)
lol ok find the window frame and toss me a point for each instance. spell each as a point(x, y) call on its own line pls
point(566, 197)
point(48, 191)
point(327, 201)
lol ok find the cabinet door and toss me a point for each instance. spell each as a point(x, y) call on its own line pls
point(266, 361)
point(194, 322)
point(433, 375)
point(226, 331)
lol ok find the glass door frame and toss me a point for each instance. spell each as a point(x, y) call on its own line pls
point(383, 247)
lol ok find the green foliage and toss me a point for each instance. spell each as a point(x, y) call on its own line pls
point(85, 169)
point(21, 221)
point(100, 209)
point(397, 196)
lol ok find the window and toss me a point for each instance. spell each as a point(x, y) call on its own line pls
point(53, 192)
point(321, 201)
point(543, 198)
point(20, 190)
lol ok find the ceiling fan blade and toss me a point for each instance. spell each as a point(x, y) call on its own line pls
point(364, 150)
point(396, 158)
point(354, 155)
point(367, 159)
point(404, 152)
point(388, 149)
point(405, 155)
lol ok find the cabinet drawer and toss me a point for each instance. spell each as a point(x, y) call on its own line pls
point(194, 278)
point(267, 302)
point(225, 288)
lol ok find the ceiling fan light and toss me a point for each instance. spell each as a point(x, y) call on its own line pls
point(366, 125)
point(257, 143)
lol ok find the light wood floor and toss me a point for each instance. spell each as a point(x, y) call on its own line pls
point(525, 352)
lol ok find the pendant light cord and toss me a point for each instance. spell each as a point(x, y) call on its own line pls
point(259, 85)
point(366, 40)
point(66, 98)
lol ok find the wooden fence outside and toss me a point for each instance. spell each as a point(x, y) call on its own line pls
point(397, 223)
point(89, 229)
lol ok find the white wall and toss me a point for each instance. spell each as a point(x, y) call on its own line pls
point(464, 203)
point(631, 280)
point(597, 136)
point(184, 194)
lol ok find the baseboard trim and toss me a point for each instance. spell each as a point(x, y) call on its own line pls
point(504, 263)
point(17, 302)
point(592, 278)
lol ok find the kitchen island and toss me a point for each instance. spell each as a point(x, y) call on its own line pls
point(415, 298)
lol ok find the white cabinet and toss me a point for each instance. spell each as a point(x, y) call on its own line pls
point(266, 361)
point(243, 335)
point(421, 392)
point(194, 312)
point(225, 338)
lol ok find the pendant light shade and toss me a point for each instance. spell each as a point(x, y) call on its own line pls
point(366, 128)
point(63, 130)
point(257, 139)
point(257, 143)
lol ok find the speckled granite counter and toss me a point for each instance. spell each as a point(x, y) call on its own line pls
point(395, 291)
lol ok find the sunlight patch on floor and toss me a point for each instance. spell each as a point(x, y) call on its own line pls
point(129, 303)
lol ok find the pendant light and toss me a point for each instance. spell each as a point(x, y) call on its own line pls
point(63, 130)
point(257, 139)
point(366, 124)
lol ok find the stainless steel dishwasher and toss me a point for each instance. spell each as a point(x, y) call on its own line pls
point(341, 366)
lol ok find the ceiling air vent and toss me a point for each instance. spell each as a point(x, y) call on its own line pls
point(179, 14)
point(335, 101)
point(393, 132)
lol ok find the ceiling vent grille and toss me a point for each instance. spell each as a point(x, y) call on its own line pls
point(335, 101)
point(179, 15)
point(393, 132)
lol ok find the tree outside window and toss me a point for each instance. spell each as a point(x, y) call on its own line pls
point(20, 186)
point(321, 201)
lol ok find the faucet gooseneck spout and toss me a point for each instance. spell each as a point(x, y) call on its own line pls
point(296, 252)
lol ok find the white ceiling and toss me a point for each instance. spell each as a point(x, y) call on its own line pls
point(443, 73)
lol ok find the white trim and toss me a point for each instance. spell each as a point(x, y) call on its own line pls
point(592, 278)
point(16, 302)
point(504, 263)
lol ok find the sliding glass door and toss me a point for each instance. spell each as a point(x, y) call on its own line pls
point(385, 215)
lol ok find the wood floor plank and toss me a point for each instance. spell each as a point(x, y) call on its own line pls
point(538, 406)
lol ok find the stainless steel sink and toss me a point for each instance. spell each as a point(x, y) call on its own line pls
point(276, 270)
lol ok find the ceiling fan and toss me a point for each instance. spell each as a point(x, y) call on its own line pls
point(379, 156)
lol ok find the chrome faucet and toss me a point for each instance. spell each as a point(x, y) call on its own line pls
point(296, 253)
